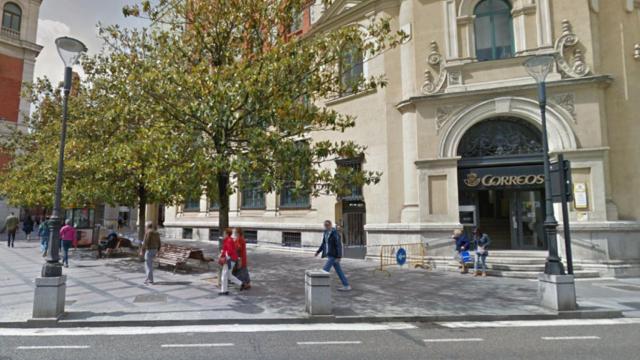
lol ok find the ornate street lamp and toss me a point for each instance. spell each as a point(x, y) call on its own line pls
point(70, 51)
point(539, 67)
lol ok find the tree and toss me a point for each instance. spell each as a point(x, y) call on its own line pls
point(119, 150)
point(229, 70)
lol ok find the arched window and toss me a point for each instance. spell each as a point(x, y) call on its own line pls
point(493, 30)
point(11, 18)
point(501, 136)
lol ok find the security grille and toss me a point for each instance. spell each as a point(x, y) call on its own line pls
point(251, 236)
point(291, 239)
point(214, 234)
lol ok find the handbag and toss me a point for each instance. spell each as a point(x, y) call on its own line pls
point(465, 256)
point(222, 260)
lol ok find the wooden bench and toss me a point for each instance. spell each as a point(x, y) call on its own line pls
point(173, 255)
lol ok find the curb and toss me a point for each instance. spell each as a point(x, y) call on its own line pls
point(564, 315)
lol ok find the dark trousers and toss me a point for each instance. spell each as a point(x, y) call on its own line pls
point(11, 237)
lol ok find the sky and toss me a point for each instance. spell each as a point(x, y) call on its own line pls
point(78, 19)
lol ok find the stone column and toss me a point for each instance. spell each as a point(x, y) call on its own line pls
point(317, 285)
point(409, 122)
point(543, 19)
point(48, 302)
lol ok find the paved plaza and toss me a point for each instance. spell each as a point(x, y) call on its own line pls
point(112, 290)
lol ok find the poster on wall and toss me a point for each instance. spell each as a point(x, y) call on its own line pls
point(581, 201)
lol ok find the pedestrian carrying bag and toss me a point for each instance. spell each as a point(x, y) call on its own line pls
point(222, 260)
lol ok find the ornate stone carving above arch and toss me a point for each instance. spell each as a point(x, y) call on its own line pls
point(561, 135)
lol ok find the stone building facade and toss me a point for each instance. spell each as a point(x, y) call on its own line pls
point(457, 131)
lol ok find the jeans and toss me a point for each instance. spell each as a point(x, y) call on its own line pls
point(66, 245)
point(148, 264)
point(482, 258)
point(227, 275)
point(334, 263)
point(11, 237)
point(44, 244)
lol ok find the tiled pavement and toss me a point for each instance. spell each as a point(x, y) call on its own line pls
point(112, 289)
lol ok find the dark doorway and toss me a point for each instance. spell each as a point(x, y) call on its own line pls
point(501, 177)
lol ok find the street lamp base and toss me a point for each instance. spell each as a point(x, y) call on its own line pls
point(51, 269)
point(554, 267)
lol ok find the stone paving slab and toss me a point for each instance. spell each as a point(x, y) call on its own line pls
point(112, 290)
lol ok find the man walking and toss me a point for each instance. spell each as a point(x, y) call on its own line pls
point(11, 224)
point(331, 248)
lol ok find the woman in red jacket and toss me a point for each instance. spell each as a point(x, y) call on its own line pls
point(231, 254)
point(241, 271)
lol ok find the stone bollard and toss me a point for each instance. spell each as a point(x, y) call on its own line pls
point(557, 292)
point(317, 292)
point(48, 301)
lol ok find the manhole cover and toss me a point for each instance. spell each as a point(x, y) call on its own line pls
point(151, 298)
point(625, 287)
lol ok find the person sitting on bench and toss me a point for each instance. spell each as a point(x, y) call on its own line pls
point(109, 244)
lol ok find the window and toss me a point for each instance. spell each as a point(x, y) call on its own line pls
point(493, 30)
point(192, 205)
point(353, 190)
point(351, 70)
point(214, 205)
point(291, 199)
point(187, 233)
point(11, 18)
point(251, 194)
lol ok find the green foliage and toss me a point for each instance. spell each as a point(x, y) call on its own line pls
point(211, 91)
point(229, 70)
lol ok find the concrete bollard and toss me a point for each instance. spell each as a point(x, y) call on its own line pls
point(317, 292)
point(557, 292)
point(49, 297)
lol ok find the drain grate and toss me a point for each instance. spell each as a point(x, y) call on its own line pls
point(150, 298)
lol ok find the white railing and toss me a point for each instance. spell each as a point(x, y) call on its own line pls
point(9, 32)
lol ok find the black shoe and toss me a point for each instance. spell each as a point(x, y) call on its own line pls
point(223, 293)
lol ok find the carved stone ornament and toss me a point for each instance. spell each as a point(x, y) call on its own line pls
point(444, 114)
point(574, 66)
point(567, 102)
point(435, 59)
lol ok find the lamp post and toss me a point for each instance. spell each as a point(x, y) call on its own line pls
point(539, 67)
point(70, 51)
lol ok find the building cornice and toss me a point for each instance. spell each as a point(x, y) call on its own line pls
point(21, 45)
point(602, 80)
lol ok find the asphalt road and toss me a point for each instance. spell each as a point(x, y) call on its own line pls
point(392, 341)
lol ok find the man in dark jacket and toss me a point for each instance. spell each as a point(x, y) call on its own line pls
point(331, 248)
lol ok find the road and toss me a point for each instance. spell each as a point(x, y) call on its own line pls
point(578, 339)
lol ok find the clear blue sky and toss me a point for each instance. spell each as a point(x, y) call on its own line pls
point(79, 19)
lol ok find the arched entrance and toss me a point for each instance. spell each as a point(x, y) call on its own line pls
point(501, 182)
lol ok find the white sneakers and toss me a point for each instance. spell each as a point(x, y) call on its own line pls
point(346, 288)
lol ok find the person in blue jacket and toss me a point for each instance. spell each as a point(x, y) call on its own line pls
point(331, 248)
point(462, 244)
point(43, 232)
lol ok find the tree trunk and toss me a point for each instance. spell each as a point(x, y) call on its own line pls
point(142, 211)
point(223, 199)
